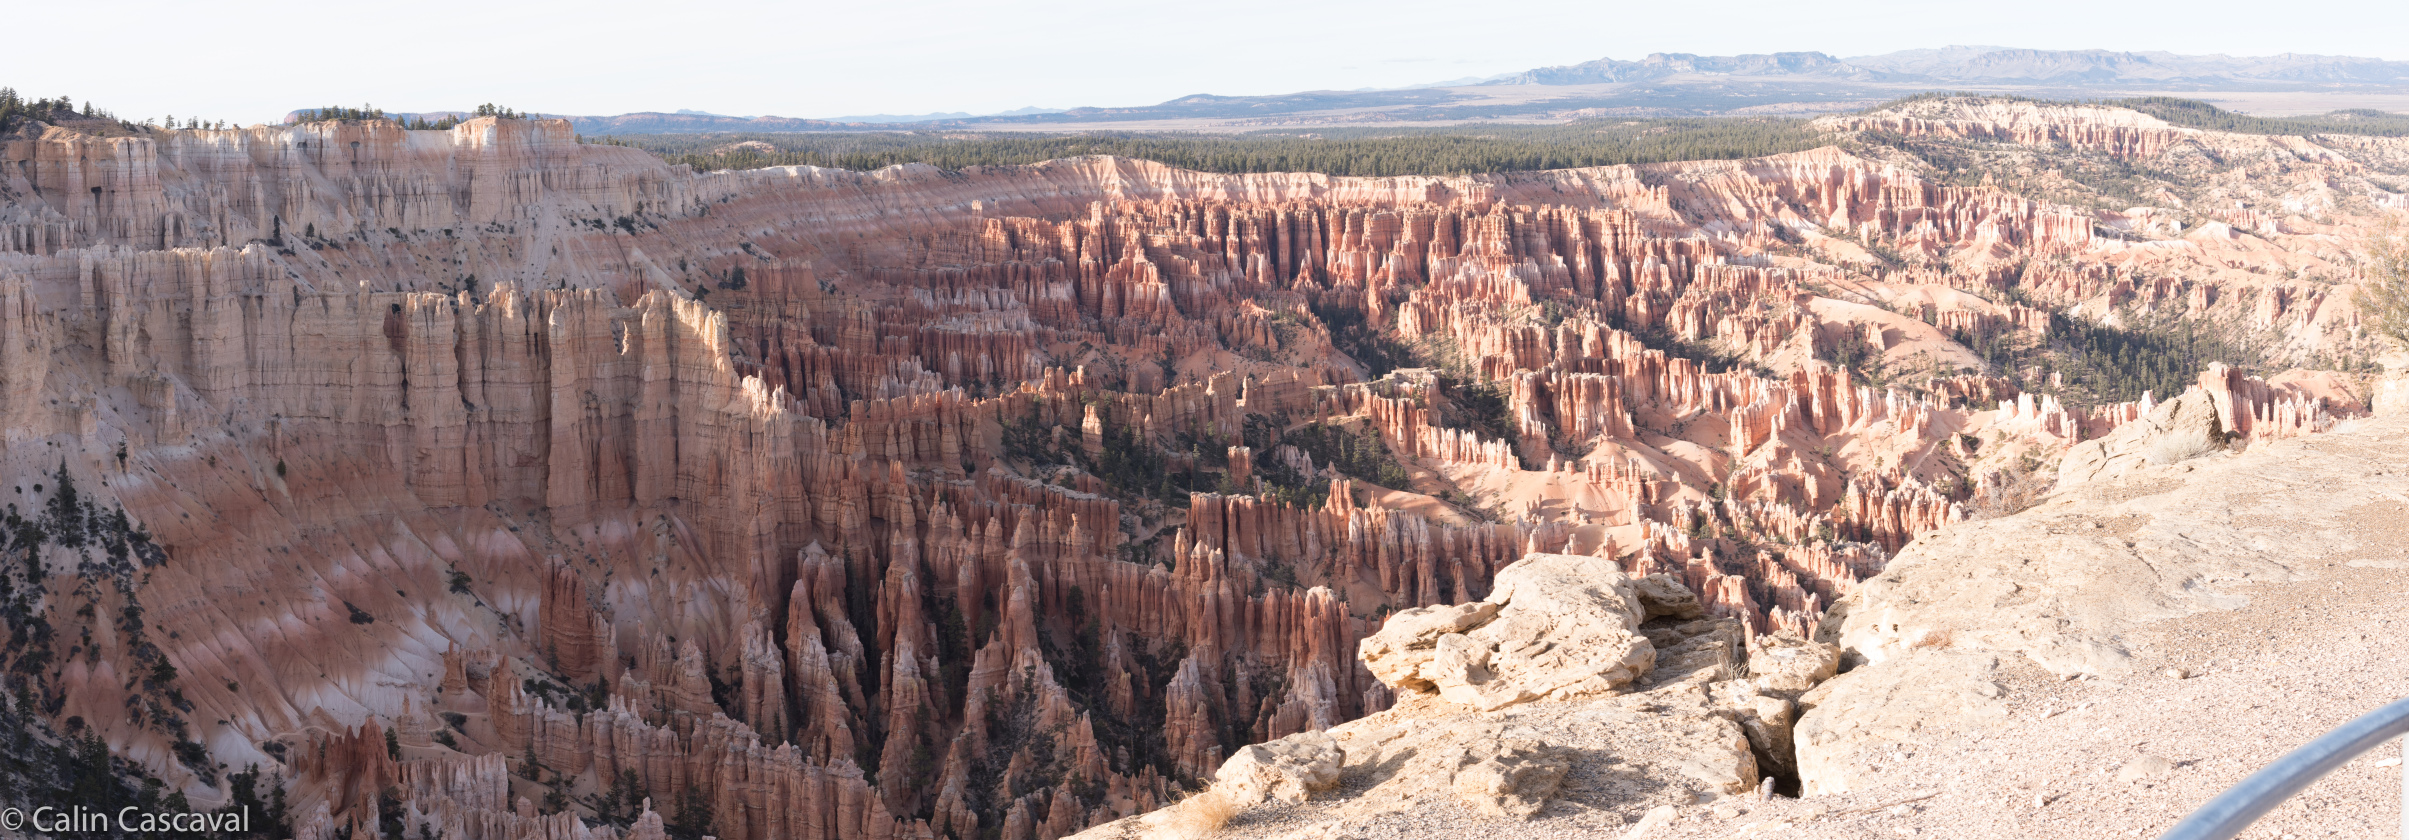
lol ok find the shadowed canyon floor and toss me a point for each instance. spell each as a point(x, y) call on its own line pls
point(488, 484)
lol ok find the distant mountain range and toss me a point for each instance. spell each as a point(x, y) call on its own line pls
point(936, 117)
point(688, 122)
point(1660, 85)
point(1665, 65)
point(1997, 65)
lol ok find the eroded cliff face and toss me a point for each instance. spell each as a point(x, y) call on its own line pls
point(917, 503)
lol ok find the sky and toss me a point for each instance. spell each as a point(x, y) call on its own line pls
point(251, 62)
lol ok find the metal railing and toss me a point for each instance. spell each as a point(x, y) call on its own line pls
point(2239, 806)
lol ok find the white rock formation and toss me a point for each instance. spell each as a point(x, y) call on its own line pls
point(1287, 770)
point(1556, 626)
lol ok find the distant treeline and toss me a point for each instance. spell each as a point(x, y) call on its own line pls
point(2193, 113)
point(15, 109)
point(1337, 151)
point(2102, 363)
point(337, 113)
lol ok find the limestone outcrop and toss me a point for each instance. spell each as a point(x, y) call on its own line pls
point(2214, 415)
point(1509, 778)
point(1906, 700)
point(1286, 770)
point(2184, 427)
point(1686, 724)
point(1555, 626)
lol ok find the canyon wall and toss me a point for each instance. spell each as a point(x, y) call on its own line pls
point(913, 503)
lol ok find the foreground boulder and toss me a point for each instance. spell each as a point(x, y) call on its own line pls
point(1576, 698)
point(1287, 770)
point(1509, 778)
point(1555, 626)
point(2178, 429)
point(1852, 724)
point(1786, 665)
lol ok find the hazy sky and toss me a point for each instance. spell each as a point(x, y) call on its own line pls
point(253, 61)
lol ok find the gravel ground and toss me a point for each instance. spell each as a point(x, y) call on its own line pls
point(2301, 657)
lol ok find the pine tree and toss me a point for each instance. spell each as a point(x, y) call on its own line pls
point(2384, 299)
point(623, 804)
point(693, 819)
